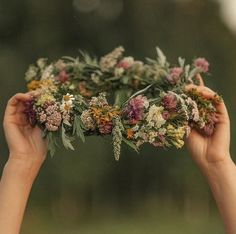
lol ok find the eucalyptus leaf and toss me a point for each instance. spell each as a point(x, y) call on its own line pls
point(77, 128)
point(51, 143)
point(66, 140)
point(194, 72)
point(139, 92)
point(130, 144)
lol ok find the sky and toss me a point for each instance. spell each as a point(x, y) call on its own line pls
point(228, 11)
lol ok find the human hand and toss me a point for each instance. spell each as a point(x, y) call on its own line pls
point(210, 150)
point(24, 141)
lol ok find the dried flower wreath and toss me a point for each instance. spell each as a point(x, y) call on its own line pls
point(151, 104)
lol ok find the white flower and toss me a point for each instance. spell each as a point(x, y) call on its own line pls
point(195, 111)
point(135, 128)
point(67, 103)
point(47, 73)
point(119, 71)
point(110, 60)
point(126, 62)
point(154, 116)
point(152, 135)
point(95, 78)
point(68, 98)
point(162, 131)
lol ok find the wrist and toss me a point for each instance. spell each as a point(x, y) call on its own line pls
point(216, 169)
point(24, 169)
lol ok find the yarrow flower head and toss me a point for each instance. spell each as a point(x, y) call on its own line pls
point(50, 116)
point(155, 116)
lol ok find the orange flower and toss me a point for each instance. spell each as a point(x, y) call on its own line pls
point(33, 85)
point(83, 90)
point(129, 133)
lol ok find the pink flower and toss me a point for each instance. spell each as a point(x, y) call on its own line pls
point(136, 107)
point(175, 73)
point(51, 116)
point(166, 115)
point(210, 125)
point(62, 76)
point(105, 128)
point(202, 63)
point(126, 62)
point(209, 129)
point(160, 142)
point(169, 101)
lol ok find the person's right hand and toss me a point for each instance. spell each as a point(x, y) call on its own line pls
point(24, 141)
point(209, 150)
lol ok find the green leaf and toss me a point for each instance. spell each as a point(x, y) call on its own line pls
point(139, 92)
point(69, 58)
point(78, 128)
point(121, 96)
point(161, 58)
point(125, 79)
point(194, 72)
point(51, 143)
point(130, 144)
point(66, 140)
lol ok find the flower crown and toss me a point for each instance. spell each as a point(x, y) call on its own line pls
point(151, 104)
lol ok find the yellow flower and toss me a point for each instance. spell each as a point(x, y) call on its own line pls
point(48, 84)
point(42, 84)
point(33, 85)
point(45, 97)
point(177, 135)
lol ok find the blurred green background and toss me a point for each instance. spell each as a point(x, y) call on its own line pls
point(86, 191)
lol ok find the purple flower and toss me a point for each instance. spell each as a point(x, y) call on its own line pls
point(202, 63)
point(30, 112)
point(136, 107)
point(169, 101)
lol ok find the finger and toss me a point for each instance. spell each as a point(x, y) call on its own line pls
point(19, 97)
point(34, 93)
point(202, 90)
point(222, 111)
point(15, 101)
point(210, 94)
point(199, 78)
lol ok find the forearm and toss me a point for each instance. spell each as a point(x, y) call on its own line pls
point(15, 186)
point(221, 177)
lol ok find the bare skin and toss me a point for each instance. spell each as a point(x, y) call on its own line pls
point(28, 151)
point(213, 158)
